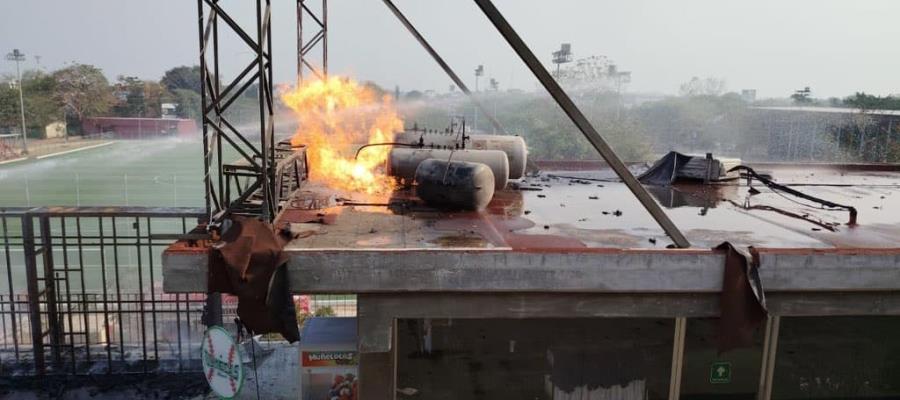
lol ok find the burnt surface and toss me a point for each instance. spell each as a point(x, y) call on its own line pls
point(575, 209)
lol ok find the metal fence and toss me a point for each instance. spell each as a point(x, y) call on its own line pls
point(81, 292)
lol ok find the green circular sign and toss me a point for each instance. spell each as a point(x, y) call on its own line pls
point(222, 364)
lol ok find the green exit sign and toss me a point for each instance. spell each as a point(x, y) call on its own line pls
point(720, 372)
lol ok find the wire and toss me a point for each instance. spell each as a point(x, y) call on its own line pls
point(778, 187)
point(255, 370)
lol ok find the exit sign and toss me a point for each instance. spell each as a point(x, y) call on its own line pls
point(720, 372)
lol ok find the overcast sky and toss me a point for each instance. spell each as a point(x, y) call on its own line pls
point(836, 47)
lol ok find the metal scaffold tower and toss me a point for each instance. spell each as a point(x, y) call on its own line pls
point(248, 185)
point(317, 42)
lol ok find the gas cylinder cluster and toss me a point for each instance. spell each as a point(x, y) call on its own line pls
point(457, 171)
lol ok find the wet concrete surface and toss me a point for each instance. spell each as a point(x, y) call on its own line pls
point(579, 209)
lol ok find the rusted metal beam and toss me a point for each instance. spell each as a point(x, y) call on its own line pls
point(581, 122)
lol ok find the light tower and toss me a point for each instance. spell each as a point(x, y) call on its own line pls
point(18, 57)
point(562, 56)
point(479, 72)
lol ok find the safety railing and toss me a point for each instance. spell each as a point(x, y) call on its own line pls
point(81, 292)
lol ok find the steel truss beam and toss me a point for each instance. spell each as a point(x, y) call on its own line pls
point(318, 40)
point(256, 164)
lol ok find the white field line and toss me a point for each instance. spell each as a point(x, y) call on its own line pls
point(74, 150)
point(13, 160)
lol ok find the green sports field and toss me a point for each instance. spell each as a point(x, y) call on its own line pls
point(161, 173)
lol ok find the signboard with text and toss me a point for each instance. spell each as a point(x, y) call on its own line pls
point(329, 358)
point(222, 365)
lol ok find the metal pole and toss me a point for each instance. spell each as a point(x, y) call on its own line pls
point(299, 42)
point(263, 114)
point(53, 318)
point(437, 58)
point(18, 56)
point(325, 39)
point(34, 305)
point(677, 358)
point(203, 95)
point(22, 110)
point(770, 352)
point(77, 190)
point(581, 122)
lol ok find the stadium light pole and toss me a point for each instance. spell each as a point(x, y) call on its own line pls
point(18, 56)
point(478, 73)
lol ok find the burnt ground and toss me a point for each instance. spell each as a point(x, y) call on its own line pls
point(277, 373)
point(138, 386)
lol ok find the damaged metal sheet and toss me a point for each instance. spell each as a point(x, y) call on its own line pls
point(249, 262)
point(742, 301)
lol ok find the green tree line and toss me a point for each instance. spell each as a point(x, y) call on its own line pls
point(696, 121)
point(81, 91)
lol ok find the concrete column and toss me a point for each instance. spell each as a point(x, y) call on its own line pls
point(376, 376)
point(376, 339)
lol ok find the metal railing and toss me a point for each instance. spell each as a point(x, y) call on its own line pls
point(80, 292)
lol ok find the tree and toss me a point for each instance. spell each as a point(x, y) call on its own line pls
point(9, 104)
point(802, 96)
point(40, 106)
point(702, 87)
point(183, 77)
point(378, 90)
point(188, 103)
point(872, 102)
point(83, 91)
point(129, 94)
point(414, 95)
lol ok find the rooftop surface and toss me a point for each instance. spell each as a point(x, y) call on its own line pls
point(589, 208)
point(576, 228)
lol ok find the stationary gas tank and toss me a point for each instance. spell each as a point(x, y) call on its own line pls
point(458, 185)
point(403, 162)
point(514, 146)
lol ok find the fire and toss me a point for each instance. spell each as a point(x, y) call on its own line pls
point(335, 117)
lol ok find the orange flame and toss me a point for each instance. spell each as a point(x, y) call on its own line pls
point(335, 117)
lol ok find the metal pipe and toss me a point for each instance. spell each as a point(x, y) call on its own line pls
point(581, 121)
point(207, 183)
point(437, 58)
